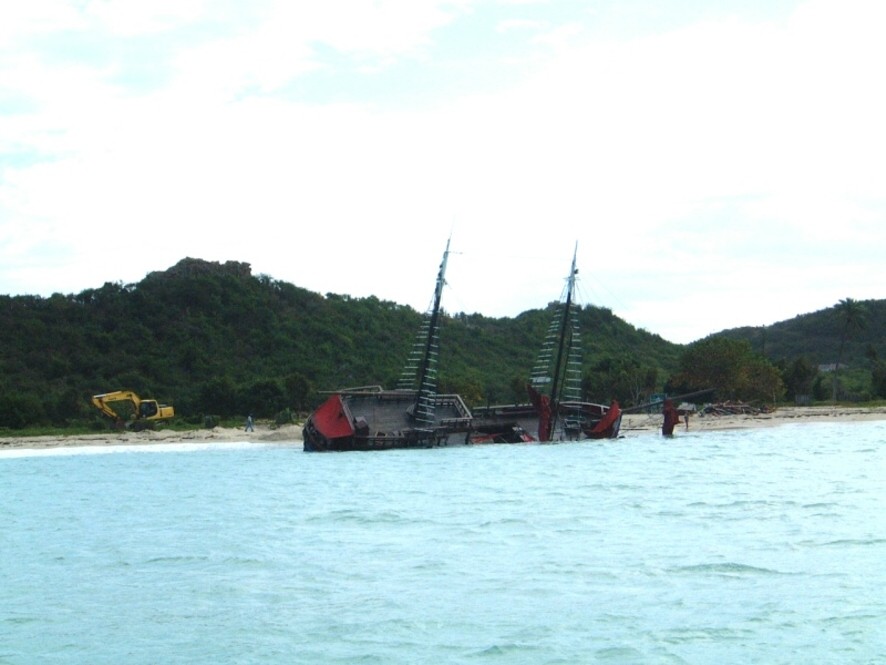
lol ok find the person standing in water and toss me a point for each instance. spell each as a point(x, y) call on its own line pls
point(671, 418)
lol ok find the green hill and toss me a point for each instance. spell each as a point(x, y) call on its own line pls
point(816, 336)
point(809, 349)
point(214, 339)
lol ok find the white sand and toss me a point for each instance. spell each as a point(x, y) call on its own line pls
point(787, 414)
point(262, 434)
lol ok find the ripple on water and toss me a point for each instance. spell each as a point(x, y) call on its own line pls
point(741, 547)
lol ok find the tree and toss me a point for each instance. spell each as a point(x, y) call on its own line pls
point(298, 391)
point(731, 368)
point(853, 316)
point(19, 410)
point(264, 398)
point(518, 389)
point(878, 379)
point(218, 396)
point(621, 377)
point(799, 376)
point(761, 380)
point(468, 386)
point(878, 372)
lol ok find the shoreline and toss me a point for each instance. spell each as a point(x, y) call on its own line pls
point(785, 415)
point(632, 423)
point(262, 434)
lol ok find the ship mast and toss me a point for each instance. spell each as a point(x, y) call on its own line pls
point(564, 322)
point(427, 374)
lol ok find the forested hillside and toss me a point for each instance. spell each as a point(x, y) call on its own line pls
point(834, 353)
point(817, 335)
point(214, 339)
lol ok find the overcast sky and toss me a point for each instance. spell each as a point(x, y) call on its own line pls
point(718, 164)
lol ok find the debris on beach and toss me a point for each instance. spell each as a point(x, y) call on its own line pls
point(734, 409)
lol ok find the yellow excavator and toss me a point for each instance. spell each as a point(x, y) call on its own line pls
point(145, 413)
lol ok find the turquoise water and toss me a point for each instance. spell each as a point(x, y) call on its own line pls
point(761, 546)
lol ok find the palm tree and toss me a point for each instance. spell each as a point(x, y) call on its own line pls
point(853, 314)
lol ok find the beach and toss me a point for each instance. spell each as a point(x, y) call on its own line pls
point(781, 416)
point(263, 433)
point(632, 423)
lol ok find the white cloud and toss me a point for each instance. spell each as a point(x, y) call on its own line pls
point(706, 172)
point(127, 18)
point(36, 18)
point(284, 42)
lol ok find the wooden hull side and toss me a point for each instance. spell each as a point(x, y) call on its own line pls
point(582, 420)
point(358, 443)
point(381, 421)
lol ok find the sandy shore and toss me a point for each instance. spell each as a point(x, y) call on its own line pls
point(631, 424)
point(784, 415)
point(262, 434)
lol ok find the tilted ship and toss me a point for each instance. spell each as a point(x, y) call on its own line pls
point(411, 416)
point(414, 415)
point(555, 411)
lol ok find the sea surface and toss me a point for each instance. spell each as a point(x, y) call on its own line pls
point(753, 546)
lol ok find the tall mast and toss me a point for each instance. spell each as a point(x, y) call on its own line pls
point(427, 384)
point(564, 322)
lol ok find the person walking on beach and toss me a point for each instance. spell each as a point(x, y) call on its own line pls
point(249, 424)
